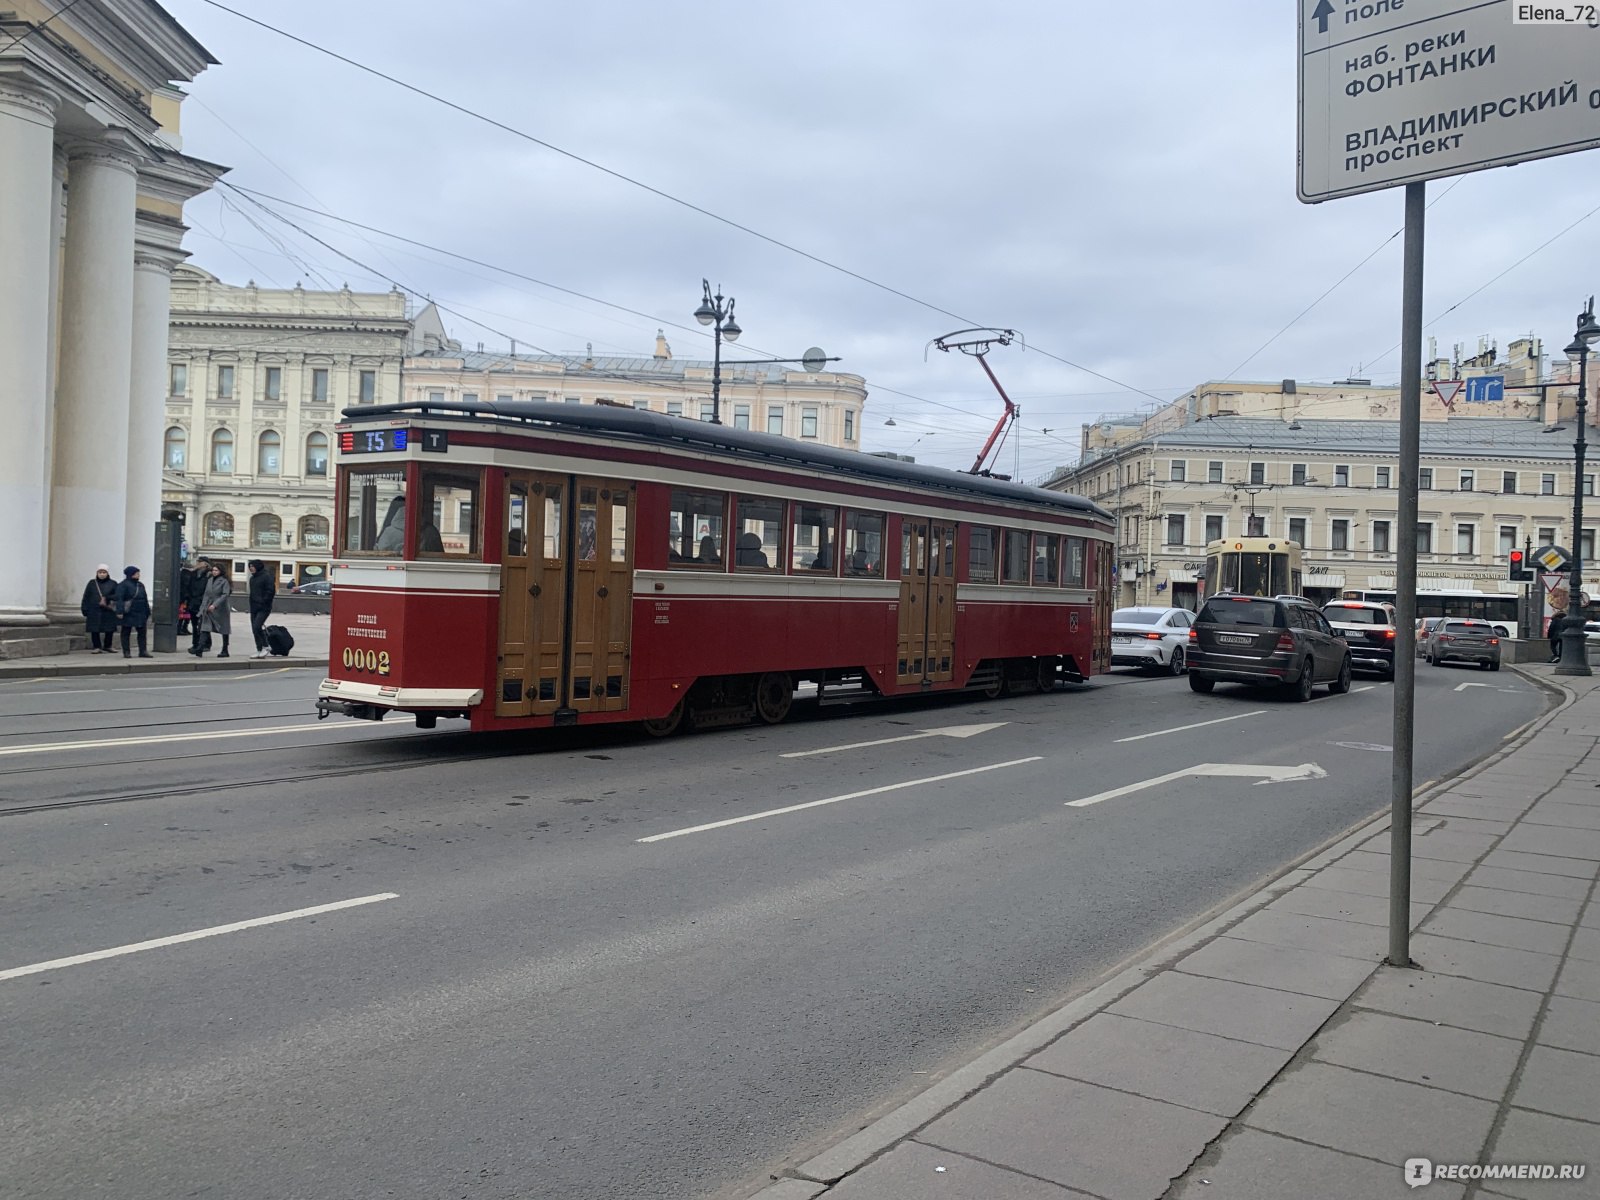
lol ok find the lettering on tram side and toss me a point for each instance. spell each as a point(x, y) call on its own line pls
point(663, 612)
point(373, 662)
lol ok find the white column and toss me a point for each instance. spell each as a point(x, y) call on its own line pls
point(147, 409)
point(89, 489)
point(27, 132)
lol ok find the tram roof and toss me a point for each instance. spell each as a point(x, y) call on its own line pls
point(638, 425)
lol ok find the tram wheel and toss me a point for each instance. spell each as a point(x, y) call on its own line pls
point(668, 725)
point(1045, 677)
point(774, 697)
point(997, 687)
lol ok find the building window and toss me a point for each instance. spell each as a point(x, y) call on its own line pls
point(1425, 479)
point(1383, 477)
point(1424, 537)
point(269, 453)
point(313, 533)
point(808, 422)
point(1380, 537)
point(1547, 535)
point(641, 405)
point(572, 399)
point(1341, 475)
point(1213, 529)
point(1213, 472)
point(1508, 539)
point(1466, 538)
point(775, 419)
point(177, 379)
point(1175, 532)
point(1178, 470)
point(177, 448)
point(741, 416)
point(369, 390)
point(1588, 485)
point(1547, 485)
point(1466, 481)
point(319, 385)
point(273, 388)
point(674, 408)
point(266, 531)
point(1586, 546)
point(222, 452)
point(435, 397)
point(1258, 472)
point(224, 383)
point(316, 456)
point(1297, 530)
point(1508, 482)
point(849, 425)
point(1255, 525)
point(1297, 475)
point(708, 410)
point(218, 527)
point(1340, 535)
point(469, 397)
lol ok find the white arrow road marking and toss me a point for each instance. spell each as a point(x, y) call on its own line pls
point(1461, 687)
point(955, 731)
point(1261, 774)
point(56, 964)
point(889, 787)
point(1139, 737)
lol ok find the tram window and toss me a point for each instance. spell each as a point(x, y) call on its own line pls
point(448, 524)
point(619, 527)
point(1046, 558)
point(816, 534)
point(375, 511)
point(588, 524)
point(863, 544)
point(552, 521)
point(517, 520)
point(696, 527)
point(758, 534)
point(1015, 566)
point(980, 556)
point(1072, 571)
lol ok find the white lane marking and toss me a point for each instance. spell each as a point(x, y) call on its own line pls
point(1461, 687)
point(1369, 688)
point(889, 787)
point(156, 943)
point(1139, 737)
point(108, 691)
point(1239, 770)
point(955, 731)
point(113, 743)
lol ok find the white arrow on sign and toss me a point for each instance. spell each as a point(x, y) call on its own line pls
point(955, 731)
point(1261, 774)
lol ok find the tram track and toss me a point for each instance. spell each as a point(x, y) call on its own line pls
point(101, 727)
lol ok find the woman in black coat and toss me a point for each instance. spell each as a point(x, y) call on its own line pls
point(133, 610)
point(99, 609)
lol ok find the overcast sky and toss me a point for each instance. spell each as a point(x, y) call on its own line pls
point(1116, 181)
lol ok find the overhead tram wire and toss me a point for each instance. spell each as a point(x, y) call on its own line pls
point(655, 191)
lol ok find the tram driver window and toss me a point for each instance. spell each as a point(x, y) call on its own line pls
point(1016, 565)
point(375, 511)
point(863, 545)
point(981, 548)
point(758, 535)
point(447, 521)
point(1046, 563)
point(1072, 571)
point(816, 535)
point(696, 531)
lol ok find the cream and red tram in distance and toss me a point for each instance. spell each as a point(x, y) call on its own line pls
point(527, 564)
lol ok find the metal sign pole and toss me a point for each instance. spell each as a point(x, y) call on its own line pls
point(1405, 675)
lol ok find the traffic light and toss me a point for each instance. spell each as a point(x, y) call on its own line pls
point(1519, 571)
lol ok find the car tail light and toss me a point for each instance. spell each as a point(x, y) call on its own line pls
point(1194, 634)
point(1388, 633)
point(1286, 641)
point(1444, 637)
point(1153, 637)
point(1494, 641)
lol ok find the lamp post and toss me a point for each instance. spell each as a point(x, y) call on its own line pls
point(1574, 640)
point(715, 312)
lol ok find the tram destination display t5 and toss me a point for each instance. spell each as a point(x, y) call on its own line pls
point(387, 441)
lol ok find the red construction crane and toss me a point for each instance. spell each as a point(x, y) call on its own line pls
point(977, 347)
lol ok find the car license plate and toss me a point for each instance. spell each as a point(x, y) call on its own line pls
point(1235, 639)
point(1121, 637)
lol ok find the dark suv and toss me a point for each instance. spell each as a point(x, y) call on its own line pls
point(1281, 640)
point(1368, 629)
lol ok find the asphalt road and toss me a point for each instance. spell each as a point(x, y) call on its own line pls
point(535, 1000)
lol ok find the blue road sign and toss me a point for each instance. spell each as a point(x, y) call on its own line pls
point(1485, 388)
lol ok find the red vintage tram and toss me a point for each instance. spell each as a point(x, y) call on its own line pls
point(528, 564)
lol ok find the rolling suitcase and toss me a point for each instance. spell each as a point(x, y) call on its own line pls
point(279, 640)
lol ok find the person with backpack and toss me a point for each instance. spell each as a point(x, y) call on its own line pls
point(262, 592)
point(133, 610)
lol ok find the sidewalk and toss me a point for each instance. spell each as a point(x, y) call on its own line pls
point(310, 632)
point(1268, 1054)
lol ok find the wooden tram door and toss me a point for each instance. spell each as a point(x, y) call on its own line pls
point(566, 595)
point(927, 636)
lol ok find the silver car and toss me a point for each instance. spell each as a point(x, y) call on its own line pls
point(1465, 641)
point(1155, 639)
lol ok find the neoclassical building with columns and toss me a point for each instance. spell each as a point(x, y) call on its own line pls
point(93, 180)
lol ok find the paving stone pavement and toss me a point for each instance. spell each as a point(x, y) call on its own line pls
point(1272, 1053)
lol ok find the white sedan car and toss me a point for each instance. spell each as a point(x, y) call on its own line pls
point(1152, 638)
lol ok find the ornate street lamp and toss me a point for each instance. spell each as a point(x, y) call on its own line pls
point(719, 314)
point(1574, 638)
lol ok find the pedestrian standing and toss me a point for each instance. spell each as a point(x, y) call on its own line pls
point(1557, 622)
point(214, 613)
point(100, 609)
point(195, 595)
point(133, 610)
point(262, 591)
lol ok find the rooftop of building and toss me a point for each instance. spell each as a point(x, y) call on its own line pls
point(616, 366)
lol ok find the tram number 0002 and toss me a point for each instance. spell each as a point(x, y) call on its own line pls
point(374, 661)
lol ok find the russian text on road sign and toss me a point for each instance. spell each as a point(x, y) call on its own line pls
point(1397, 91)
